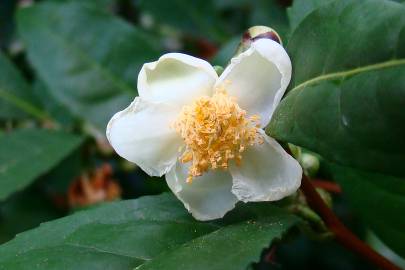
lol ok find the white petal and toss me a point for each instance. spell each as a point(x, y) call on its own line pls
point(258, 78)
point(267, 173)
point(176, 78)
point(142, 134)
point(207, 197)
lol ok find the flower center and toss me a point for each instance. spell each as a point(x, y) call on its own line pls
point(215, 130)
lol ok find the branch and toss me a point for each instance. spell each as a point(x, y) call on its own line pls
point(343, 235)
point(326, 185)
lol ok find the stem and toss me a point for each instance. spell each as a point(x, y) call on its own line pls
point(326, 185)
point(343, 235)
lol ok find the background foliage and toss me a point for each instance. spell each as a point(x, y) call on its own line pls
point(66, 66)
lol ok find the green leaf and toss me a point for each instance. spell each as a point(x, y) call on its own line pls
point(231, 247)
point(23, 211)
point(198, 18)
point(270, 13)
point(60, 113)
point(127, 234)
point(88, 58)
point(346, 102)
point(16, 98)
point(227, 51)
point(378, 199)
point(302, 8)
point(26, 154)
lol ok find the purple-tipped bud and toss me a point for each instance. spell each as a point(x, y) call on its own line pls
point(255, 33)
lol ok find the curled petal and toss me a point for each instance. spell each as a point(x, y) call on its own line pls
point(142, 134)
point(258, 78)
point(208, 197)
point(177, 79)
point(267, 173)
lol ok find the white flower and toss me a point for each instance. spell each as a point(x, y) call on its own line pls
point(205, 133)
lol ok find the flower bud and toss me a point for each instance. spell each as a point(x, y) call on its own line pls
point(310, 164)
point(257, 32)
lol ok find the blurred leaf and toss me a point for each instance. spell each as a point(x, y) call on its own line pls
point(16, 98)
point(26, 154)
point(227, 51)
point(270, 13)
point(23, 211)
point(88, 58)
point(197, 18)
point(347, 102)
point(126, 234)
point(7, 9)
point(302, 8)
point(378, 199)
point(381, 248)
point(52, 105)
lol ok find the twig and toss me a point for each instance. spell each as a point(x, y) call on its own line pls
point(343, 235)
point(326, 185)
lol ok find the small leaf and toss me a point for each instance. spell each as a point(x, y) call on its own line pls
point(378, 199)
point(91, 69)
point(123, 235)
point(26, 154)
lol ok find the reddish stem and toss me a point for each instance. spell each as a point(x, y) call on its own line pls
point(326, 185)
point(342, 234)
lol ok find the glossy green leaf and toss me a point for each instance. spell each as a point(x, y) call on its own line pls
point(346, 102)
point(127, 234)
point(88, 58)
point(16, 98)
point(231, 247)
point(27, 154)
point(378, 199)
point(302, 8)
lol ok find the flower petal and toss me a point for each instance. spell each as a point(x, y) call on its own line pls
point(207, 197)
point(267, 173)
point(142, 134)
point(176, 78)
point(258, 78)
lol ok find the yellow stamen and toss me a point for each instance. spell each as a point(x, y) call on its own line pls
point(215, 130)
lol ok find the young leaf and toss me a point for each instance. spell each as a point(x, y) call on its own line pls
point(26, 154)
point(379, 199)
point(123, 235)
point(347, 95)
point(91, 69)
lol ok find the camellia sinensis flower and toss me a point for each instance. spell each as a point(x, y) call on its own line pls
point(205, 132)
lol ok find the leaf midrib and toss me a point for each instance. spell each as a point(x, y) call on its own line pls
point(345, 73)
point(126, 88)
point(23, 105)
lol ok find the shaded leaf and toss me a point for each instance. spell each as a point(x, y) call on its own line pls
point(378, 199)
point(198, 18)
point(16, 98)
point(27, 154)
